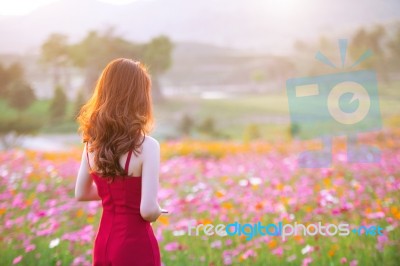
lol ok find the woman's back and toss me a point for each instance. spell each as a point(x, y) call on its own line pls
point(124, 237)
point(123, 195)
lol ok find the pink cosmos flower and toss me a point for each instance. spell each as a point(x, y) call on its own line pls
point(216, 244)
point(278, 251)
point(17, 259)
point(382, 240)
point(227, 260)
point(306, 261)
point(376, 215)
point(30, 247)
point(354, 263)
point(172, 246)
point(249, 253)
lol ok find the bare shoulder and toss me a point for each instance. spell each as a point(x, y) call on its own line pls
point(150, 145)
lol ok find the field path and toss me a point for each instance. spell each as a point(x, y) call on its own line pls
point(50, 142)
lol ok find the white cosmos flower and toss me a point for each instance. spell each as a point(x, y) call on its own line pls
point(307, 249)
point(255, 181)
point(54, 243)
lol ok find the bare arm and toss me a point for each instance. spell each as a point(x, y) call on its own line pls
point(85, 189)
point(149, 208)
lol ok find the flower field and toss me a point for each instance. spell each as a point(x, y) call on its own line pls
point(212, 182)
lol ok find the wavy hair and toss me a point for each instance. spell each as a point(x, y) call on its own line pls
point(117, 117)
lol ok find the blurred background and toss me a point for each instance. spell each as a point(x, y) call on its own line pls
point(219, 68)
point(228, 149)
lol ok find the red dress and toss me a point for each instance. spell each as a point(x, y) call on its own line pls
point(124, 238)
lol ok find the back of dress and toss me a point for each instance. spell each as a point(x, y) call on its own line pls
point(124, 238)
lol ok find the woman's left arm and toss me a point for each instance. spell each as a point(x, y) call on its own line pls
point(85, 189)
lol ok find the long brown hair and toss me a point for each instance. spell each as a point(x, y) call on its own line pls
point(119, 114)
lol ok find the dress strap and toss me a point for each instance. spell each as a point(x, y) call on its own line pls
point(127, 161)
point(87, 155)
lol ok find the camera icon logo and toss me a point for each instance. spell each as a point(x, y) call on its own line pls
point(344, 103)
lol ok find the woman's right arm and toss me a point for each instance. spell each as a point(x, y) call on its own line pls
point(149, 208)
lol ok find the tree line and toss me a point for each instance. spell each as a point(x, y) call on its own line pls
point(382, 41)
point(90, 55)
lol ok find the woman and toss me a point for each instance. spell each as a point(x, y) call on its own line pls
point(120, 165)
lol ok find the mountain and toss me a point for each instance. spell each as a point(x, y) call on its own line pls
point(246, 24)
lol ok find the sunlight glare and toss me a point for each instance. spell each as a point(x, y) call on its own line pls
point(24, 7)
point(284, 6)
point(118, 2)
point(21, 7)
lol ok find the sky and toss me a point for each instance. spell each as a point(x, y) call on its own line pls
point(262, 25)
point(23, 7)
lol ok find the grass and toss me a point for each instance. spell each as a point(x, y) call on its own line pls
point(232, 116)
